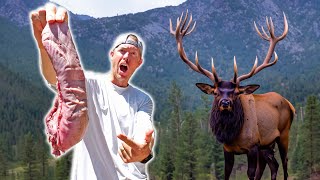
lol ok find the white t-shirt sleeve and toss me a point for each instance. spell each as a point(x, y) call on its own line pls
point(143, 119)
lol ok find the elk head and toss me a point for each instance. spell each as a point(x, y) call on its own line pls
point(226, 92)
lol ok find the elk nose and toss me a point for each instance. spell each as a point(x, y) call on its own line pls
point(225, 102)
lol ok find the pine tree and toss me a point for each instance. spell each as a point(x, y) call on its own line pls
point(204, 140)
point(63, 166)
point(211, 158)
point(186, 160)
point(42, 153)
point(294, 147)
point(204, 155)
point(170, 130)
point(218, 159)
point(29, 157)
point(4, 152)
point(175, 102)
point(3, 163)
point(166, 156)
point(308, 140)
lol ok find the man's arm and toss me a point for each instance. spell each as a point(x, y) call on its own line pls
point(67, 120)
point(39, 19)
point(139, 148)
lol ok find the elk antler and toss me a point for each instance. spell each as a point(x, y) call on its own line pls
point(273, 41)
point(182, 30)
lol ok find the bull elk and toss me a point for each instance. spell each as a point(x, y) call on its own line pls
point(245, 123)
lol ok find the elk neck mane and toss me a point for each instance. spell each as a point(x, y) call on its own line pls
point(227, 125)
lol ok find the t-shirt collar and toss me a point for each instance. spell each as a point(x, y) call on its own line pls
point(119, 89)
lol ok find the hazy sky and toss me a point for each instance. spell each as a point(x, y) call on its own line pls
point(108, 8)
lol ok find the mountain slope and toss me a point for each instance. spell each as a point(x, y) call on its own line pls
point(224, 29)
point(23, 105)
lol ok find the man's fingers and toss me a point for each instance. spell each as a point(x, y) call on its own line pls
point(120, 154)
point(34, 15)
point(127, 149)
point(61, 15)
point(148, 136)
point(36, 26)
point(124, 154)
point(127, 140)
point(42, 16)
point(51, 12)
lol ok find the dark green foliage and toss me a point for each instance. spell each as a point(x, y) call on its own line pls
point(218, 159)
point(23, 106)
point(185, 159)
point(165, 158)
point(169, 133)
point(42, 156)
point(306, 156)
point(29, 157)
point(63, 167)
point(4, 156)
point(185, 146)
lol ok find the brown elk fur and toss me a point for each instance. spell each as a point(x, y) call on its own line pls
point(227, 125)
point(268, 116)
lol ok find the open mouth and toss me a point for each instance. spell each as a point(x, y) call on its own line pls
point(225, 108)
point(123, 68)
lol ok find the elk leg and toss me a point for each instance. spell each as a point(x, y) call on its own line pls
point(228, 164)
point(283, 149)
point(252, 156)
point(261, 165)
point(268, 155)
point(273, 164)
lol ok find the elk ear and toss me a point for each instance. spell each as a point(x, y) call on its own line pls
point(248, 89)
point(206, 88)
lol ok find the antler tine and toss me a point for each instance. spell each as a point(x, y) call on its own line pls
point(180, 19)
point(250, 74)
point(178, 29)
point(273, 40)
point(194, 25)
point(271, 30)
point(184, 22)
point(203, 71)
point(268, 25)
point(214, 72)
point(265, 36)
point(267, 64)
point(182, 30)
point(285, 28)
point(171, 28)
point(188, 26)
point(235, 68)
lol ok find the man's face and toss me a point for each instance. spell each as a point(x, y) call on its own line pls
point(125, 59)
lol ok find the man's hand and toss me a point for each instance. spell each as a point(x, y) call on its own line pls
point(44, 15)
point(132, 151)
point(39, 19)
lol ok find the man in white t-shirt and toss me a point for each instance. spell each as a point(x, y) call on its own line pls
point(119, 138)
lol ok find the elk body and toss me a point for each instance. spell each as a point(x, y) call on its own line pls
point(245, 123)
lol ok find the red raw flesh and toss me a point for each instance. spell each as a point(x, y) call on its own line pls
point(67, 121)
